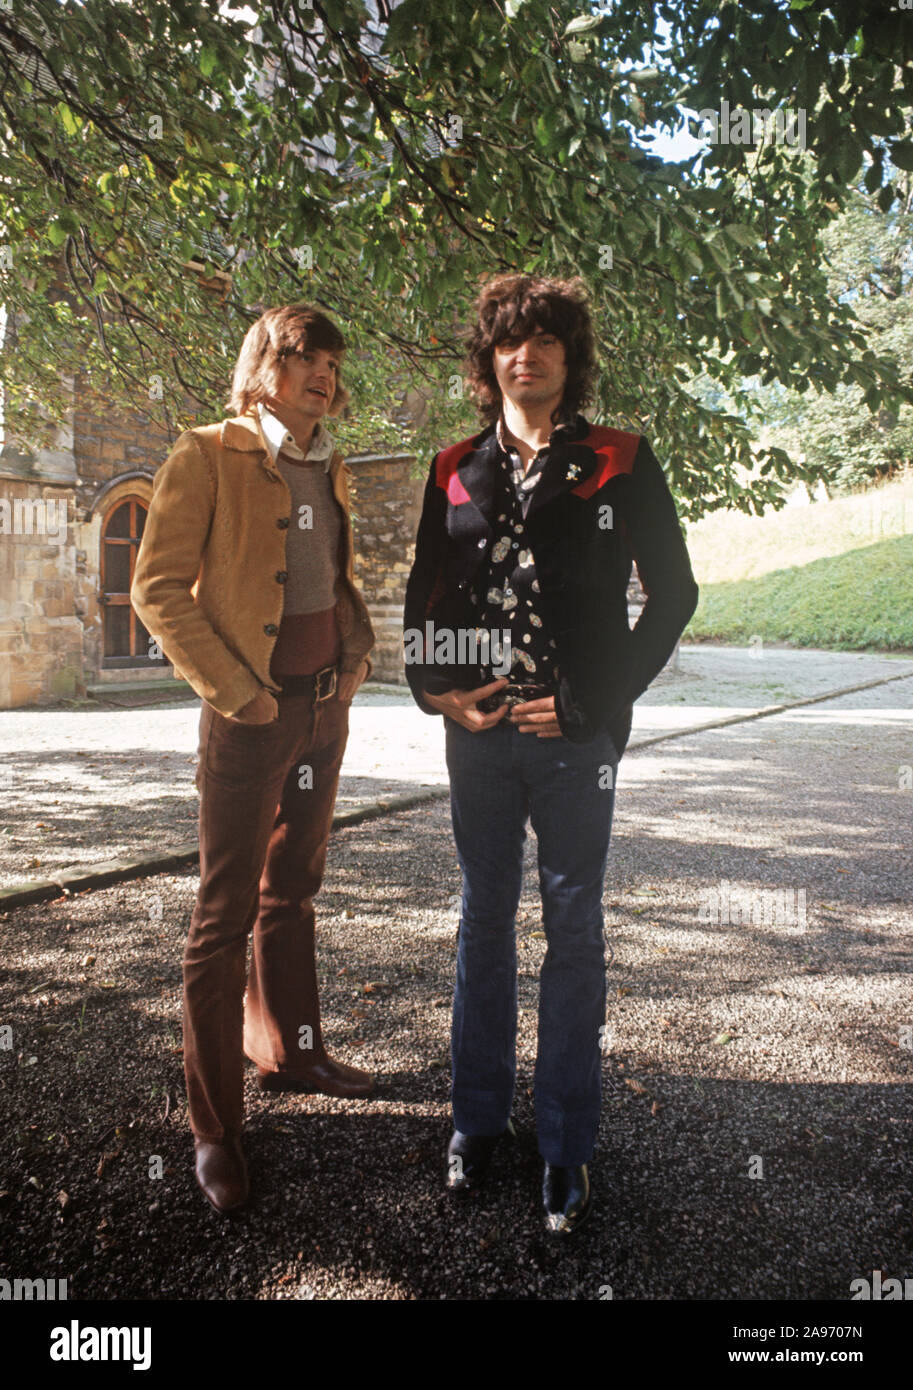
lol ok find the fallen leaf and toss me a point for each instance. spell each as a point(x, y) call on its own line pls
point(723, 1038)
point(635, 1085)
point(106, 1159)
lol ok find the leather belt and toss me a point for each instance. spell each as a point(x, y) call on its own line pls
point(515, 694)
point(321, 685)
point(522, 691)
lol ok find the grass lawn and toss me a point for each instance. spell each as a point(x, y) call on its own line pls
point(858, 601)
point(835, 574)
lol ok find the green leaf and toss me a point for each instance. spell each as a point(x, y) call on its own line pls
point(738, 232)
point(873, 177)
point(69, 120)
point(901, 154)
point(583, 24)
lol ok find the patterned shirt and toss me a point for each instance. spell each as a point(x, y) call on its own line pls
point(505, 589)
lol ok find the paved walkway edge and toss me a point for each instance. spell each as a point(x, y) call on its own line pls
point(71, 881)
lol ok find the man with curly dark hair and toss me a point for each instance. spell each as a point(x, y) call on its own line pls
point(517, 633)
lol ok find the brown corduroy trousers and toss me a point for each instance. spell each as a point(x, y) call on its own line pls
point(267, 793)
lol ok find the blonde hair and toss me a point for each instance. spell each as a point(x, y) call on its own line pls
point(277, 334)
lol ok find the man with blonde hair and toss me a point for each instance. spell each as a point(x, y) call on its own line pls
point(245, 578)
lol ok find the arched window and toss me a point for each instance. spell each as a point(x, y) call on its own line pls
point(126, 640)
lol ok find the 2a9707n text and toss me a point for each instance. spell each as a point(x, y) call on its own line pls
point(761, 1334)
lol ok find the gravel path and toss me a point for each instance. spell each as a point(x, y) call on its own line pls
point(729, 1045)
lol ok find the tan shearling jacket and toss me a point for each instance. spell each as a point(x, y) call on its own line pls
point(206, 584)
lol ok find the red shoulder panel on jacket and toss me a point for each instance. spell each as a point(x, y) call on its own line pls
point(614, 450)
point(446, 470)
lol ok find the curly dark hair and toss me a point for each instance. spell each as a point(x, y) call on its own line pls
point(512, 305)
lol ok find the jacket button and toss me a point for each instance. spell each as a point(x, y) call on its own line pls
point(282, 522)
point(481, 545)
point(281, 576)
point(270, 629)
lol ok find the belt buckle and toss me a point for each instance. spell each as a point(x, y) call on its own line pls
point(524, 692)
point(321, 694)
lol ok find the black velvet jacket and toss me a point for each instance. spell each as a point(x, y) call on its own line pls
point(602, 500)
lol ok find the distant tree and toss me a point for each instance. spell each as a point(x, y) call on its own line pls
point(868, 256)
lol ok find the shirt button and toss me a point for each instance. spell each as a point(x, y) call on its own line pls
point(481, 545)
point(281, 576)
point(282, 522)
point(270, 629)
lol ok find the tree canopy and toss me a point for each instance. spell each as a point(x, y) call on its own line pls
point(380, 160)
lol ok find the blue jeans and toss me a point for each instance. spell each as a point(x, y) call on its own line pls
point(499, 779)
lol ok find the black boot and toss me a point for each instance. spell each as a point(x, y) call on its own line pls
point(469, 1158)
point(565, 1197)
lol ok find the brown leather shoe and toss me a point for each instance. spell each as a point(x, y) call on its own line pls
point(222, 1174)
point(327, 1077)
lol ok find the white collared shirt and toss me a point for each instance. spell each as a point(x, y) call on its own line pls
point(280, 439)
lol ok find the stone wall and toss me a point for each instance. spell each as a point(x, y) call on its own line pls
point(40, 632)
point(386, 506)
point(108, 445)
point(50, 617)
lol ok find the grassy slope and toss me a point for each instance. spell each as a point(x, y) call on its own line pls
point(834, 574)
